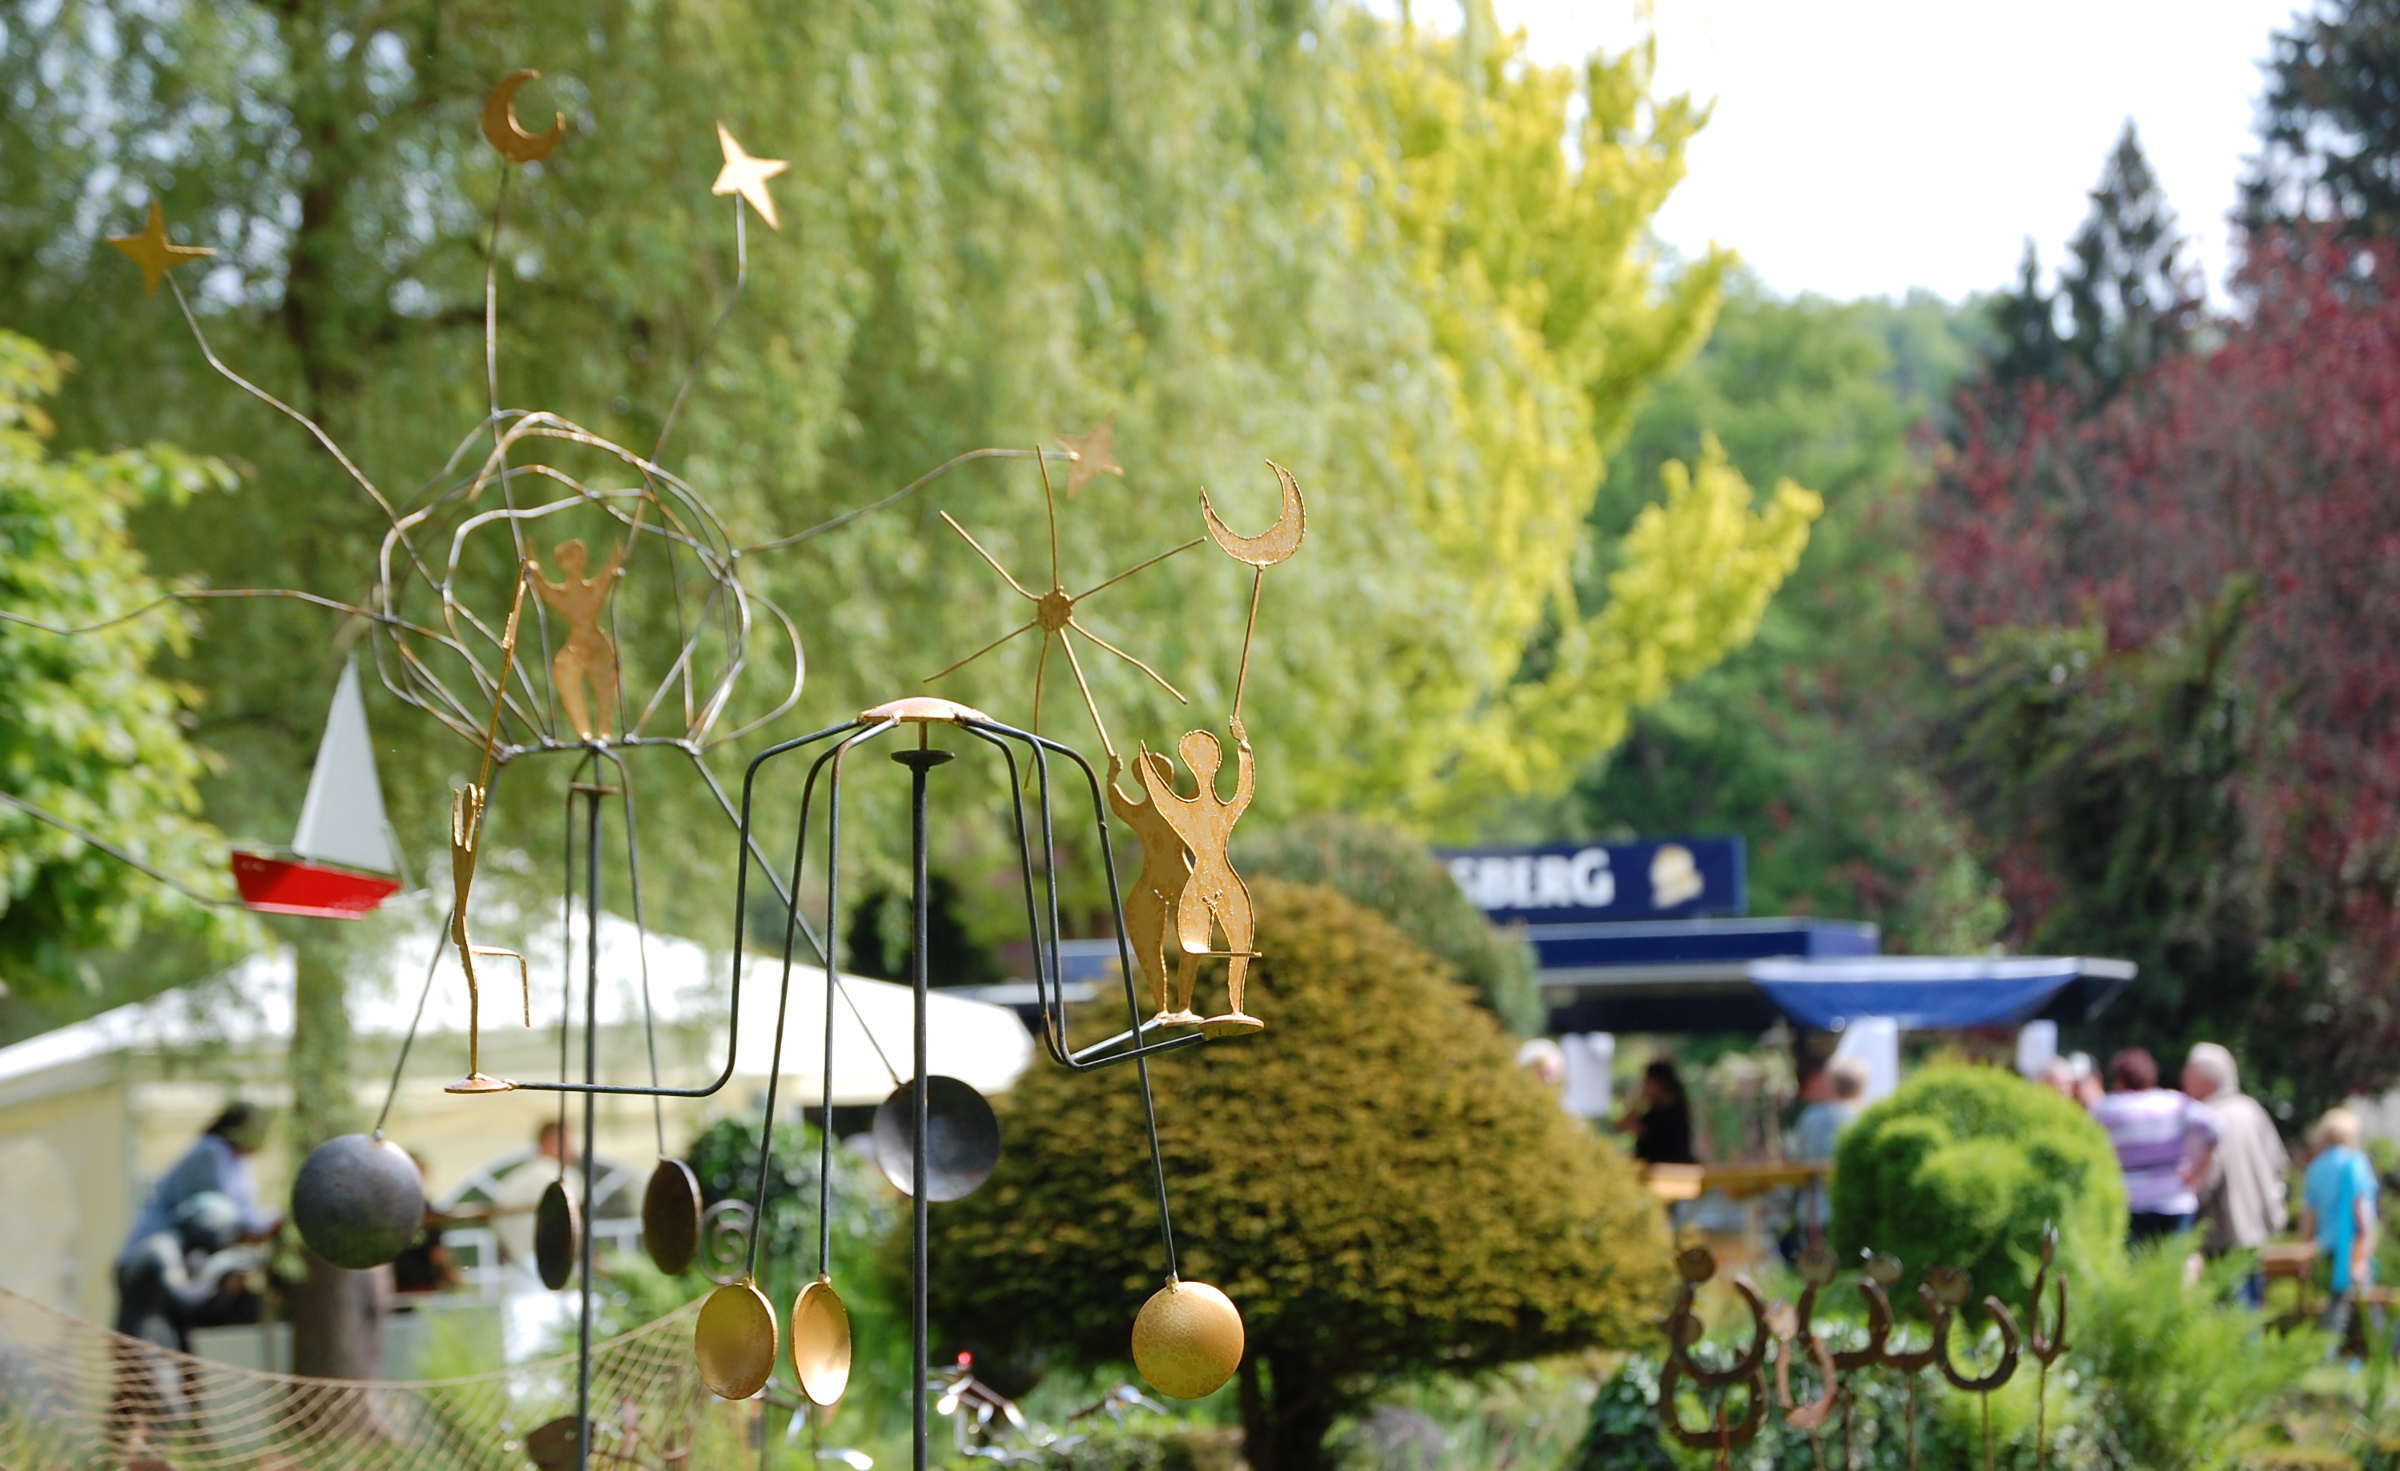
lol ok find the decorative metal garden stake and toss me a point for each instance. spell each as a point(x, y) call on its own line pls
point(1943, 1294)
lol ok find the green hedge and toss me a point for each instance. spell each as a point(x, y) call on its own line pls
point(1372, 1179)
point(1964, 1166)
point(1393, 873)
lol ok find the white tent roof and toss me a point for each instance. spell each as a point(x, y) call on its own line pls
point(251, 1004)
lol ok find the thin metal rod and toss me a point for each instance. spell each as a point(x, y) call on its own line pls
point(416, 1018)
point(641, 951)
point(750, 846)
point(905, 491)
point(919, 976)
point(833, 969)
point(691, 371)
point(591, 1071)
point(783, 1002)
point(1042, 747)
point(113, 851)
point(1241, 681)
point(748, 853)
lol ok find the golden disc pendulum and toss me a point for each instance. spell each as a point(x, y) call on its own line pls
point(821, 1343)
point(734, 1341)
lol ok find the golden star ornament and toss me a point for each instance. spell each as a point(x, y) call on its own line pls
point(1091, 455)
point(154, 253)
point(747, 177)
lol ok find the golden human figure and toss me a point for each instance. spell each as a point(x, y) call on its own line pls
point(584, 670)
point(1214, 898)
point(466, 833)
point(1157, 889)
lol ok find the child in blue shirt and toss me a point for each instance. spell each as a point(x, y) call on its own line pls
point(2338, 1213)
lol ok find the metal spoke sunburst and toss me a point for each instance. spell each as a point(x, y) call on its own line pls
point(1054, 615)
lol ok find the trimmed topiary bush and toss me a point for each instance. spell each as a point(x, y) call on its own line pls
point(1372, 1179)
point(1391, 872)
point(1964, 1166)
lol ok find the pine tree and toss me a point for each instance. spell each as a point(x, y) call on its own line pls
point(2329, 126)
point(2025, 321)
point(2130, 297)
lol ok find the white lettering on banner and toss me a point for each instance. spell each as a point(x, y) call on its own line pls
point(1549, 881)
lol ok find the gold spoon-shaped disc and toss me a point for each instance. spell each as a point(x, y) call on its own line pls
point(821, 1343)
point(1187, 1340)
point(734, 1341)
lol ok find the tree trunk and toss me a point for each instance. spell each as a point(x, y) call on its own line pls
point(337, 1323)
point(1287, 1411)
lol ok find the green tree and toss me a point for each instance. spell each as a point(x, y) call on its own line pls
point(1358, 246)
point(1965, 1167)
point(1372, 1180)
point(2130, 295)
point(1804, 741)
point(2328, 127)
point(90, 733)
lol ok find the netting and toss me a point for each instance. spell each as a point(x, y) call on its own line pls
point(73, 1394)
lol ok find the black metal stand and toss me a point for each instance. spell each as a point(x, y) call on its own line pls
point(920, 764)
point(592, 794)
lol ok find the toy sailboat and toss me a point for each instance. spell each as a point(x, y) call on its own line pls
point(341, 861)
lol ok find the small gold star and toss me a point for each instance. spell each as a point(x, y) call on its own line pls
point(747, 177)
point(1093, 455)
point(154, 253)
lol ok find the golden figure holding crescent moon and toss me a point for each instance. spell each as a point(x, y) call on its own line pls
point(1194, 834)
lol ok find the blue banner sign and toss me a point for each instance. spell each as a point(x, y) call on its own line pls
point(1586, 883)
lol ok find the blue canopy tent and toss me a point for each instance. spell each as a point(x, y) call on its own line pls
point(1736, 975)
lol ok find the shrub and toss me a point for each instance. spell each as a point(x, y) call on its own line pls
point(1964, 1166)
point(1383, 868)
point(1372, 1180)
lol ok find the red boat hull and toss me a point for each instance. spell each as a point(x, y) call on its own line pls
point(274, 885)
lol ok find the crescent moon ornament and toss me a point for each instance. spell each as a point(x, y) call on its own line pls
point(500, 122)
point(1280, 540)
point(1259, 553)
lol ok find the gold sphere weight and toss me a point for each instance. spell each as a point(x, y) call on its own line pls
point(1187, 1340)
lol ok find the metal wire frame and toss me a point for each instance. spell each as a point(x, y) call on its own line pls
point(1043, 921)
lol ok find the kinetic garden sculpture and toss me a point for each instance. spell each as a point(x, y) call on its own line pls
point(357, 1199)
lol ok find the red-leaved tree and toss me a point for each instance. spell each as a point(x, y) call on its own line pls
point(2177, 622)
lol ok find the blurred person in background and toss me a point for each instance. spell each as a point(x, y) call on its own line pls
point(2338, 1213)
point(2166, 1144)
point(1833, 1097)
point(1660, 1118)
point(217, 1164)
point(2242, 1200)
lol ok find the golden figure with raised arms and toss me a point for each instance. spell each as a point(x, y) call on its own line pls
point(1214, 897)
point(584, 670)
point(1157, 889)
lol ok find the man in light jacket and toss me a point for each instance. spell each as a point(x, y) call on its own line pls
point(2242, 1204)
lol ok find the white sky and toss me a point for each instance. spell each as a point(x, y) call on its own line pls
point(1861, 147)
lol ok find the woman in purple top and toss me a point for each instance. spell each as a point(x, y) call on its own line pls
point(2164, 1141)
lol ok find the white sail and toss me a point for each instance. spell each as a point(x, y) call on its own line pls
point(342, 819)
